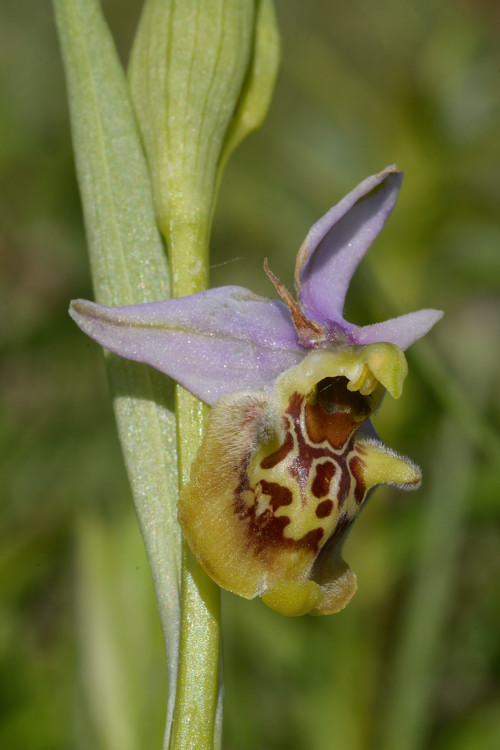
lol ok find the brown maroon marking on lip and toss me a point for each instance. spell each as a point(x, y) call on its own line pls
point(279, 495)
point(306, 453)
point(356, 466)
point(335, 428)
point(344, 485)
point(312, 539)
point(324, 475)
point(300, 466)
point(295, 404)
point(266, 533)
point(324, 509)
point(335, 412)
point(279, 455)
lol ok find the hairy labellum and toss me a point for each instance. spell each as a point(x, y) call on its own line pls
point(281, 476)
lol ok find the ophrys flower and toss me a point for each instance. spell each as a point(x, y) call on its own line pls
point(289, 455)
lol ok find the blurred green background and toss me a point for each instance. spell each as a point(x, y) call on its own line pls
point(414, 661)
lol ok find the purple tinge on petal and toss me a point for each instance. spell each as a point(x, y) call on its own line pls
point(215, 342)
point(337, 242)
point(402, 331)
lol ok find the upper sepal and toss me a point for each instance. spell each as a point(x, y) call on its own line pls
point(336, 243)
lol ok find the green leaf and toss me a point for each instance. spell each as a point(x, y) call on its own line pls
point(128, 266)
point(117, 635)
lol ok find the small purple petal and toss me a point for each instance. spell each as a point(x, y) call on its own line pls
point(215, 342)
point(337, 242)
point(402, 331)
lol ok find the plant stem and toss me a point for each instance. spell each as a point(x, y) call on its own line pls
point(197, 692)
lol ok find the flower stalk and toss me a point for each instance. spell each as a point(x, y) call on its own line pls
point(201, 78)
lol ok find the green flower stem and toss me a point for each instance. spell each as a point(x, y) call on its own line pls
point(201, 76)
point(198, 667)
point(188, 250)
point(197, 692)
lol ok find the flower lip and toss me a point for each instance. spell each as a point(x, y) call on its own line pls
point(298, 467)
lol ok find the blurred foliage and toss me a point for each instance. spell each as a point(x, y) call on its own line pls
point(414, 661)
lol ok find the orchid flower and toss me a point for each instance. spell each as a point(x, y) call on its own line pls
point(289, 455)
